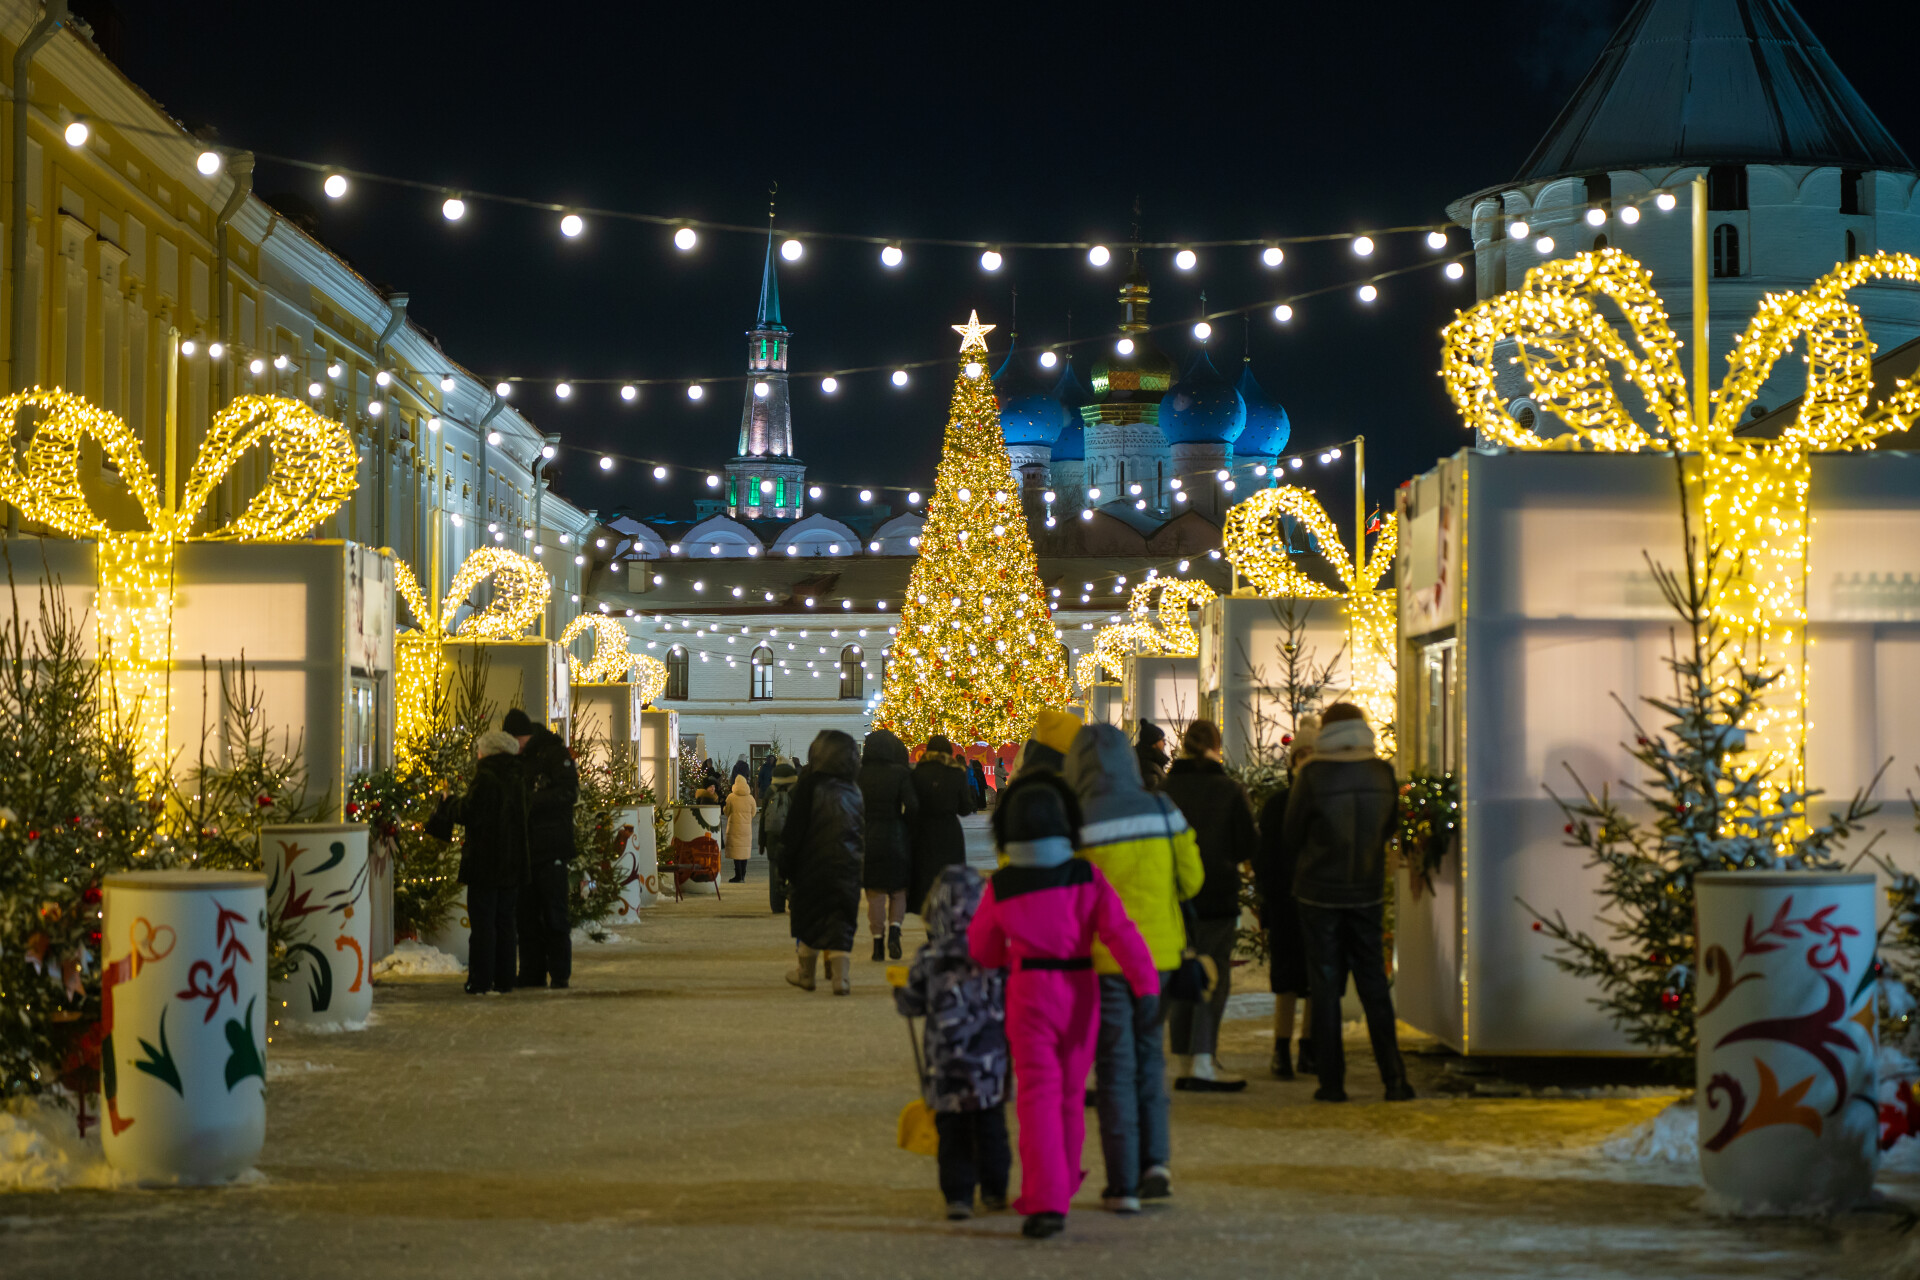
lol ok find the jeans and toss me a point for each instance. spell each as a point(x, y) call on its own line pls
point(1196, 1027)
point(974, 1151)
point(490, 946)
point(1130, 1077)
point(546, 939)
point(1342, 941)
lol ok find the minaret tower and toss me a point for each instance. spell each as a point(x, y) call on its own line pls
point(764, 480)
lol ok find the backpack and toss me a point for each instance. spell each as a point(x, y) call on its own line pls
point(773, 819)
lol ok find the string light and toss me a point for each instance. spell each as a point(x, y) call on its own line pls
point(696, 391)
point(1186, 259)
point(208, 163)
point(1362, 246)
point(453, 208)
point(610, 663)
point(1273, 255)
point(791, 250)
point(685, 238)
point(572, 225)
point(1283, 313)
point(1099, 256)
point(991, 260)
point(829, 385)
point(335, 185)
point(1436, 240)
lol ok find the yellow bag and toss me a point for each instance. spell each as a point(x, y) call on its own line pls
point(916, 1132)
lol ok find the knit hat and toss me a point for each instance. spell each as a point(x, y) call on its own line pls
point(1035, 822)
point(940, 742)
point(517, 723)
point(1056, 729)
point(496, 742)
point(1151, 734)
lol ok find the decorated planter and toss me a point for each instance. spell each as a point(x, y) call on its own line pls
point(696, 847)
point(318, 890)
point(183, 1067)
point(639, 877)
point(1785, 1014)
point(455, 931)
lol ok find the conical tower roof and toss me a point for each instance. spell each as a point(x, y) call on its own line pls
point(769, 314)
point(1713, 81)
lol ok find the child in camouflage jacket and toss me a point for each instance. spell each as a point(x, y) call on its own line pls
point(965, 1007)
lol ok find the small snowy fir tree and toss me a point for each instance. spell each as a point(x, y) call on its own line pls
point(75, 805)
point(607, 786)
point(1714, 808)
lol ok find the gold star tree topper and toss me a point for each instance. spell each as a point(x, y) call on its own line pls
point(973, 334)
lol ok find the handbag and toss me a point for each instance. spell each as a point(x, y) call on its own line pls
point(1196, 976)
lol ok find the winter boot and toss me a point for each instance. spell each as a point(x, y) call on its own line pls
point(1207, 1077)
point(1309, 1065)
point(879, 949)
point(801, 975)
point(893, 942)
point(840, 972)
point(1039, 1226)
point(1282, 1065)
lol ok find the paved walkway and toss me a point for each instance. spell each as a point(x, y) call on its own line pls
point(682, 1112)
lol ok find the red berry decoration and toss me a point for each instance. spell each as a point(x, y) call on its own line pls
point(1536, 926)
point(1669, 999)
point(1569, 828)
point(32, 834)
point(1286, 739)
point(263, 801)
point(352, 809)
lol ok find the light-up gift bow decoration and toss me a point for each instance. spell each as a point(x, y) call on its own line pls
point(1255, 543)
point(1172, 637)
point(311, 475)
point(521, 591)
point(1753, 492)
point(611, 662)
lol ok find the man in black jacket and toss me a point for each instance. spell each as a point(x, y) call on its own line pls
point(553, 789)
point(1339, 816)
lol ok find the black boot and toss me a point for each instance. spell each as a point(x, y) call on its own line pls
point(879, 949)
point(1309, 1065)
point(893, 942)
point(1282, 1065)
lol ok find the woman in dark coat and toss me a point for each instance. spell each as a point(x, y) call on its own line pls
point(886, 787)
point(493, 858)
point(824, 839)
point(1287, 972)
point(940, 784)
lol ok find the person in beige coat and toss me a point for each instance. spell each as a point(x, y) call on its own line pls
point(737, 827)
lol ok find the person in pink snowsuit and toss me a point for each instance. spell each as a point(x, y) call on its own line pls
point(1039, 918)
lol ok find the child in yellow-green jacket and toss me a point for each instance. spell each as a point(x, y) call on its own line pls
point(1143, 846)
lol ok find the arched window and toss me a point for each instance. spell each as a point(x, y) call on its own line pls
point(762, 667)
point(853, 680)
point(676, 674)
point(1853, 247)
point(1726, 250)
point(1599, 243)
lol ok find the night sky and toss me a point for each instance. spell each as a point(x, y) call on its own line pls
point(1015, 121)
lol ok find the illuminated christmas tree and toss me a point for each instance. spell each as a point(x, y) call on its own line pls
point(976, 657)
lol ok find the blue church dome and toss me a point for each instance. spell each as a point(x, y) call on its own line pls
point(1268, 428)
point(1071, 446)
point(1202, 408)
point(1029, 413)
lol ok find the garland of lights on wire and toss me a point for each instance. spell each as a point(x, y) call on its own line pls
point(521, 592)
point(1752, 492)
point(1256, 545)
point(976, 657)
point(312, 473)
point(1172, 636)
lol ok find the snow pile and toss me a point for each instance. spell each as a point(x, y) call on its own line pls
point(41, 1150)
point(417, 960)
point(279, 1069)
point(330, 1028)
point(1671, 1137)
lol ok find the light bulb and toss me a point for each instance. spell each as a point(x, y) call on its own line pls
point(1518, 229)
point(1203, 331)
point(334, 370)
point(913, 498)
point(1596, 217)
point(76, 133)
point(813, 492)
point(1273, 255)
point(1099, 256)
point(900, 377)
point(695, 391)
point(314, 389)
point(208, 163)
point(572, 225)
point(892, 256)
point(1455, 271)
point(1362, 246)
point(991, 260)
point(685, 239)
point(1666, 201)
point(1220, 475)
point(335, 186)
point(1124, 346)
point(791, 250)
point(1093, 493)
point(1334, 453)
point(494, 438)
point(1283, 313)
point(217, 349)
point(1436, 239)
point(829, 385)
point(1140, 504)
point(1298, 463)
point(382, 378)
point(1630, 214)
point(713, 482)
point(1260, 470)
point(188, 347)
point(766, 486)
point(453, 208)
point(433, 424)
point(446, 383)
point(659, 473)
point(1174, 483)
point(1368, 293)
point(972, 369)
point(280, 362)
point(503, 389)
point(256, 366)
point(866, 495)
point(606, 464)
point(1133, 489)
point(1087, 514)
point(1544, 244)
point(1048, 359)
point(760, 390)
point(375, 408)
point(1186, 259)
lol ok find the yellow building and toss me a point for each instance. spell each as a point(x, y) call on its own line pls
point(128, 242)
